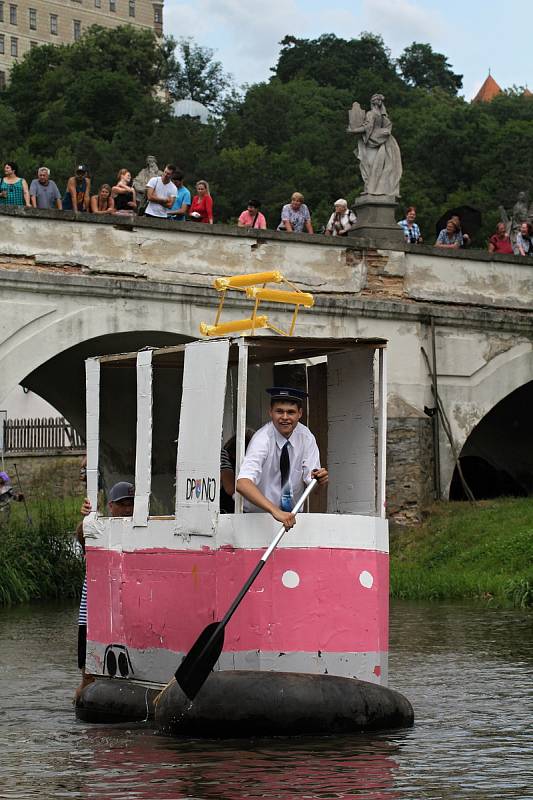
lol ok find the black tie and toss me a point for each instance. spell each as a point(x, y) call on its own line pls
point(284, 465)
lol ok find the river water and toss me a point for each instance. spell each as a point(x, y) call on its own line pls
point(467, 671)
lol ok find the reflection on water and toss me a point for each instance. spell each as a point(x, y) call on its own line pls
point(467, 672)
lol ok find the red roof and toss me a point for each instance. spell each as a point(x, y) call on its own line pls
point(488, 91)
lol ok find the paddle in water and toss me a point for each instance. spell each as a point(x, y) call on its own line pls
point(203, 655)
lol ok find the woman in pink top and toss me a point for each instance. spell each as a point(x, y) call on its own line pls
point(201, 209)
point(252, 217)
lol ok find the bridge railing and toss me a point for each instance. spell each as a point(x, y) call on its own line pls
point(40, 435)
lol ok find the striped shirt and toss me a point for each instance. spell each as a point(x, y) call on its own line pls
point(225, 460)
point(82, 616)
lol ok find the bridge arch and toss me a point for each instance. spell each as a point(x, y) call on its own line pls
point(497, 453)
point(61, 379)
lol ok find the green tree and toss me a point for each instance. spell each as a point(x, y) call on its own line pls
point(194, 75)
point(420, 66)
point(82, 98)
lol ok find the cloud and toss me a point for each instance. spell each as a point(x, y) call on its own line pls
point(401, 22)
point(245, 37)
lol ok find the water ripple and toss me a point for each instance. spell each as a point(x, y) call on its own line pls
point(466, 670)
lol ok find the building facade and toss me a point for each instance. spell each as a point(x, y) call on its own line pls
point(28, 23)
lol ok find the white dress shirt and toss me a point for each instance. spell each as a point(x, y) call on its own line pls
point(261, 462)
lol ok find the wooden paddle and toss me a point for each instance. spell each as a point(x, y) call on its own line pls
point(203, 655)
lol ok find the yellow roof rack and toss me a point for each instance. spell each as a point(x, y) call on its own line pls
point(255, 288)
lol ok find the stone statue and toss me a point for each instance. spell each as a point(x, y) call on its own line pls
point(151, 170)
point(378, 152)
point(520, 214)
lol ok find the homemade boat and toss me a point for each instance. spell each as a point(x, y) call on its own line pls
point(306, 651)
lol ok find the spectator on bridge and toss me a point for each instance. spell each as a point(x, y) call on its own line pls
point(251, 217)
point(161, 193)
point(524, 244)
point(341, 221)
point(500, 242)
point(103, 203)
point(13, 190)
point(201, 209)
point(44, 192)
point(182, 203)
point(124, 195)
point(295, 216)
point(465, 238)
point(410, 229)
point(78, 194)
point(449, 236)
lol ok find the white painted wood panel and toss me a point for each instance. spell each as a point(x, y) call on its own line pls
point(143, 449)
point(198, 461)
point(351, 436)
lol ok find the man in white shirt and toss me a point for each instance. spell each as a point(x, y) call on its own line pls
point(161, 193)
point(281, 459)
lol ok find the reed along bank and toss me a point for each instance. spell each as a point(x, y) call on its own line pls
point(39, 559)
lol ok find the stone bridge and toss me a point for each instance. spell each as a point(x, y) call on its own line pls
point(76, 285)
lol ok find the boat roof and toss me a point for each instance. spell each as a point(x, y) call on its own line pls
point(261, 349)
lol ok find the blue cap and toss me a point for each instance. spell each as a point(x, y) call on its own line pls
point(121, 491)
point(286, 393)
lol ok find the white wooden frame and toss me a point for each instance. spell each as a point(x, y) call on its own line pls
point(382, 433)
point(143, 440)
point(242, 383)
point(92, 428)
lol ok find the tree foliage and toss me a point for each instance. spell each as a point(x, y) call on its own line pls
point(194, 75)
point(420, 66)
point(93, 102)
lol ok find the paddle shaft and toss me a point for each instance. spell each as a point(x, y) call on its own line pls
point(218, 632)
point(264, 558)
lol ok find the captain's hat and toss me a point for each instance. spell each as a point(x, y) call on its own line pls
point(286, 393)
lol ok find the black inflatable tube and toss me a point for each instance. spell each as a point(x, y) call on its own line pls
point(251, 703)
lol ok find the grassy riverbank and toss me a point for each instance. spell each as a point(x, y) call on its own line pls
point(38, 560)
point(463, 551)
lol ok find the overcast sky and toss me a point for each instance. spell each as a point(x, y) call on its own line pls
point(473, 34)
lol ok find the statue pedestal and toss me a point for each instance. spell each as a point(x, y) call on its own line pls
point(375, 220)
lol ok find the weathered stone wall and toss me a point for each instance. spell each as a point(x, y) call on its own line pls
point(409, 468)
point(43, 477)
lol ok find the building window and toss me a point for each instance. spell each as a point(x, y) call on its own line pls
point(2, 80)
point(2, 44)
point(98, 3)
point(158, 15)
point(77, 29)
point(132, 8)
point(13, 15)
point(14, 47)
point(112, 5)
point(33, 44)
point(1, 12)
point(33, 19)
point(53, 24)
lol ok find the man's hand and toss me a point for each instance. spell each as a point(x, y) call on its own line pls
point(321, 476)
point(287, 518)
point(86, 508)
point(249, 490)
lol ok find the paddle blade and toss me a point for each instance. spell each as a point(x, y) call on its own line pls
point(200, 660)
